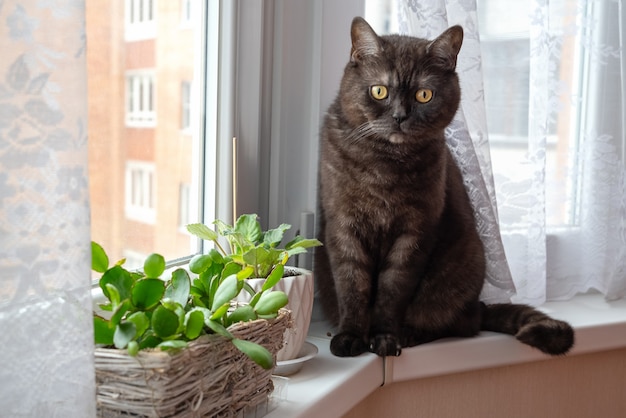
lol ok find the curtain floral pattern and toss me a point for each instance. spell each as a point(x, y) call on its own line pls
point(561, 203)
point(427, 19)
point(46, 366)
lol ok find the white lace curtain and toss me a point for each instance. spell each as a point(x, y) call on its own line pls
point(561, 202)
point(46, 336)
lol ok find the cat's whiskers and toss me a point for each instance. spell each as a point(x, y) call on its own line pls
point(367, 129)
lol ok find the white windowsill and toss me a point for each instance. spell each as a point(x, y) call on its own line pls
point(330, 386)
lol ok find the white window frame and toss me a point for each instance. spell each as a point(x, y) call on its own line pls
point(140, 91)
point(140, 20)
point(140, 203)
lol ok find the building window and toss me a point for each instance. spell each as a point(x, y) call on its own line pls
point(140, 20)
point(140, 107)
point(185, 111)
point(140, 191)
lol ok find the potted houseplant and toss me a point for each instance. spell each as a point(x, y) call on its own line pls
point(174, 344)
point(253, 249)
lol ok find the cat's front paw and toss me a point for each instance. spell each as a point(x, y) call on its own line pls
point(385, 345)
point(346, 344)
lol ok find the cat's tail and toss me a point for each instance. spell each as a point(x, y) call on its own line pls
point(529, 326)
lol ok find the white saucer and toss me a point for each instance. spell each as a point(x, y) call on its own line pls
point(289, 367)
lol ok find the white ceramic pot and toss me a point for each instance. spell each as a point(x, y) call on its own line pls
point(299, 290)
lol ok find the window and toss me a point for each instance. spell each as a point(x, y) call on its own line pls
point(140, 110)
point(140, 191)
point(140, 19)
point(506, 51)
point(136, 162)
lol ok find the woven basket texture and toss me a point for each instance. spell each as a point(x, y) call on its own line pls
point(209, 378)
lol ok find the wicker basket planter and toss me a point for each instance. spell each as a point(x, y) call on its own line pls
point(209, 378)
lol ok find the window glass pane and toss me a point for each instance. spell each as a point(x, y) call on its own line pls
point(506, 53)
point(144, 170)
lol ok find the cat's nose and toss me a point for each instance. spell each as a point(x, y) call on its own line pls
point(399, 116)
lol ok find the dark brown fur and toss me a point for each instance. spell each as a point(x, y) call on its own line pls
point(402, 263)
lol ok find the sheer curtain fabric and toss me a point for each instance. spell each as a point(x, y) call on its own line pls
point(46, 360)
point(561, 200)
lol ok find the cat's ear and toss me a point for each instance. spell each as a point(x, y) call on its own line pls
point(446, 47)
point(364, 40)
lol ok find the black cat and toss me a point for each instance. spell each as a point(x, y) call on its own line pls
point(403, 263)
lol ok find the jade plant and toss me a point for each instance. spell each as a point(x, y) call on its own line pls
point(151, 311)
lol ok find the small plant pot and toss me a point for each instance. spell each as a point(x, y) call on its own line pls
point(210, 377)
point(298, 285)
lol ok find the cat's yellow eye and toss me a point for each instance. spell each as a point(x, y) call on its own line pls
point(379, 92)
point(424, 95)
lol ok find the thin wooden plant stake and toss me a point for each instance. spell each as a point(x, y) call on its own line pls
point(234, 179)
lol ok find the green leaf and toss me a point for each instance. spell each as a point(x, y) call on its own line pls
point(164, 322)
point(149, 340)
point(133, 348)
point(295, 251)
point(99, 258)
point(223, 228)
point(218, 328)
point(216, 256)
point(257, 353)
point(220, 311)
point(147, 293)
point(120, 311)
point(141, 321)
point(120, 278)
point(103, 331)
point(271, 302)
point(255, 299)
point(197, 301)
point(202, 231)
point(303, 243)
point(172, 345)
point(107, 307)
point(273, 237)
point(226, 291)
point(205, 312)
point(194, 323)
point(178, 310)
point(124, 332)
point(213, 286)
point(256, 256)
point(154, 265)
point(274, 257)
point(274, 277)
point(114, 295)
point(179, 287)
point(245, 273)
point(249, 227)
point(200, 262)
point(243, 313)
point(231, 268)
